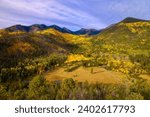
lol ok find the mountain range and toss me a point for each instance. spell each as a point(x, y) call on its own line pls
point(82, 31)
point(40, 27)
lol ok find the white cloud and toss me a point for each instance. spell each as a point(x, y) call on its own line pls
point(23, 11)
point(72, 13)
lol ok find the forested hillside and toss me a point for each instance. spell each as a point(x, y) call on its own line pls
point(49, 64)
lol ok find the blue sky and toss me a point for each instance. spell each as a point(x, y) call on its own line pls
point(73, 14)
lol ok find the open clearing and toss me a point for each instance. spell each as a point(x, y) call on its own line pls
point(146, 77)
point(84, 74)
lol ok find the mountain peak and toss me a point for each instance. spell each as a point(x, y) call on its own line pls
point(18, 27)
point(63, 30)
point(39, 25)
point(87, 31)
point(54, 26)
point(132, 19)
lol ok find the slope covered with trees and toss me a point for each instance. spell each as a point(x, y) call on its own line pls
point(127, 44)
point(25, 58)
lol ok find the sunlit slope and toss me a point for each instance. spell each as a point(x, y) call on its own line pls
point(70, 38)
point(125, 42)
point(80, 42)
point(132, 36)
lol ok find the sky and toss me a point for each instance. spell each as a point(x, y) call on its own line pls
point(72, 14)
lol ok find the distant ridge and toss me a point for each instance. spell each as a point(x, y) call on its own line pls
point(39, 27)
point(87, 31)
point(63, 30)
